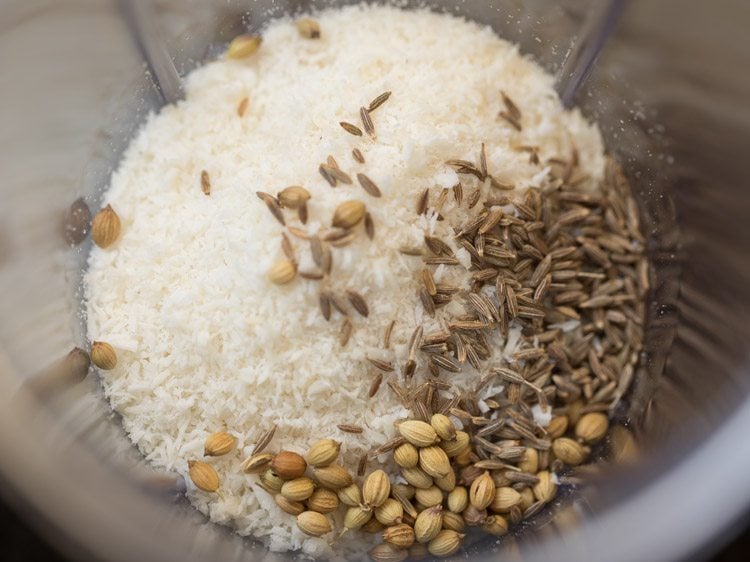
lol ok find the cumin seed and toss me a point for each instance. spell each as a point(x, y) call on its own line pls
point(349, 428)
point(358, 302)
point(378, 101)
point(369, 226)
point(458, 193)
point(242, 107)
point(384, 366)
point(368, 185)
point(358, 156)
point(362, 465)
point(387, 334)
point(273, 206)
point(422, 201)
point(351, 129)
point(375, 385)
point(205, 183)
point(323, 169)
point(367, 122)
point(324, 301)
point(346, 332)
point(263, 440)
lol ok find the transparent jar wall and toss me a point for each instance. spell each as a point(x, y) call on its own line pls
point(672, 100)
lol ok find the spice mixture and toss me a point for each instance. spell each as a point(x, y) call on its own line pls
point(368, 276)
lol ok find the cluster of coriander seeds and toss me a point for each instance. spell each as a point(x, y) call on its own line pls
point(310, 498)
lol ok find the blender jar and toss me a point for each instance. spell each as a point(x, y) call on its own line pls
point(670, 92)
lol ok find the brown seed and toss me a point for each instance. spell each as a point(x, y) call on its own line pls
point(378, 101)
point(242, 107)
point(288, 465)
point(282, 272)
point(362, 464)
point(591, 427)
point(287, 248)
point(422, 202)
point(376, 489)
point(321, 254)
point(219, 443)
point(482, 491)
point(348, 214)
point(429, 282)
point(406, 455)
point(447, 482)
point(380, 364)
point(368, 185)
point(256, 463)
point(77, 222)
point(358, 302)
point(349, 428)
point(351, 129)
point(324, 301)
point(373, 527)
point(428, 524)
point(400, 536)
point(205, 183)
point(369, 226)
point(313, 523)
point(325, 172)
point(289, 506)
point(357, 153)
point(346, 332)
point(273, 206)
point(103, 355)
point(333, 476)
point(243, 46)
point(308, 28)
point(474, 516)
point(458, 499)
point(298, 489)
point(427, 303)
point(106, 227)
point(323, 501)
point(375, 385)
point(264, 439)
point(336, 173)
point(203, 476)
point(386, 553)
point(367, 122)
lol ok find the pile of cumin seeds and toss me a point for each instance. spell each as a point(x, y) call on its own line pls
point(565, 269)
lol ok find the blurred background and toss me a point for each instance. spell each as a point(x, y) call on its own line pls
point(672, 92)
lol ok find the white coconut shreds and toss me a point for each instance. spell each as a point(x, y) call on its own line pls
point(205, 341)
